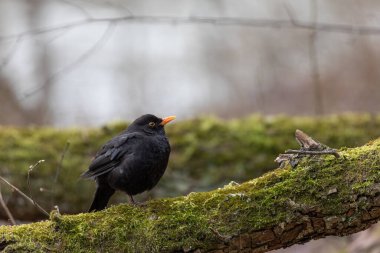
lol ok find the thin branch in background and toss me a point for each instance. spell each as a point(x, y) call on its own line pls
point(120, 5)
point(293, 23)
point(41, 31)
point(114, 5)
point(60, 34)
point(6, 209)
point(98, 44)
point(290, 14)
point(11, 53)
point(78, 7)
point(57, 173)
point(59, 167)
point(217, 21)
point(25, 196)
point(31, 168)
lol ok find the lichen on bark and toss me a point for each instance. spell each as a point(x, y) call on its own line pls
point(322, 196)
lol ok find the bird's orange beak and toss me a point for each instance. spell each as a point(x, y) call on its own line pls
point(167, 120)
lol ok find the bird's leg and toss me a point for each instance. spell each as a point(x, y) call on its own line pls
point(131, 200)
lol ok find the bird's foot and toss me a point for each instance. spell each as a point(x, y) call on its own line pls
point(140, 204)
point(135, 203)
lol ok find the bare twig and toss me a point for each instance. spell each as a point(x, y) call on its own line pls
point(309, 152)
point(40, 31)
point(31, 168)
point(58, 169)
point(77, 6)
point(6, 209)
point(12, 51)
point(118, 5)
point(291, 23)
point(290, 14)
point(102, 40)
point(54, 38)
point(114, 5)
point(308, 147)
point(57, 173)
point(25, 196)
point(218, 21)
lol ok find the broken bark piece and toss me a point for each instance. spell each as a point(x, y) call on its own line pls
point(308, 147)
point(306, 141)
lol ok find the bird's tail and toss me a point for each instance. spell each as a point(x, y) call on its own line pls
point(102, 195)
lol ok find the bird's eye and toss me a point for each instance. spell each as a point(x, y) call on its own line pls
point(152, 124)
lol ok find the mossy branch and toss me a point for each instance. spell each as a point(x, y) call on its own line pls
point(322, 196)
point(206, 153)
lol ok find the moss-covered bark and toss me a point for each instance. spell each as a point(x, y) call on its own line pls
point(322, 196)
point(207, 153)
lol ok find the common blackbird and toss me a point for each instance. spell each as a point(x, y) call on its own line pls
point(132, 162)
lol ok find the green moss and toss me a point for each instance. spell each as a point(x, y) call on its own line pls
point(189, 221)
point(207, 153)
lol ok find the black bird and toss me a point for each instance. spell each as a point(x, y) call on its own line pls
point(132, 162)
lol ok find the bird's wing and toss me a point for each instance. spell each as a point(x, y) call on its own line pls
point(110, 155)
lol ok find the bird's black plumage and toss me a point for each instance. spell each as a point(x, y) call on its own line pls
point(133, 161)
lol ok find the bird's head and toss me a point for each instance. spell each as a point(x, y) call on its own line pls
point(150, 124)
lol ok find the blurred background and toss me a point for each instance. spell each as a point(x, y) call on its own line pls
point(66, 63)
point(81, 63)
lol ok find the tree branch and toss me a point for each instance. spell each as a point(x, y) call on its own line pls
point(328, 196)
point(292, 23)
point(243, 151)
point(217, 21)
point(25, 196)
point(87, 54)
point(4, 206)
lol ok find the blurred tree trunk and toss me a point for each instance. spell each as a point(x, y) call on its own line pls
point(40, 109)
point(11, 112)
point(15, 110)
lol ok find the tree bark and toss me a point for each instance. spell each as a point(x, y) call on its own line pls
point(323, 196)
